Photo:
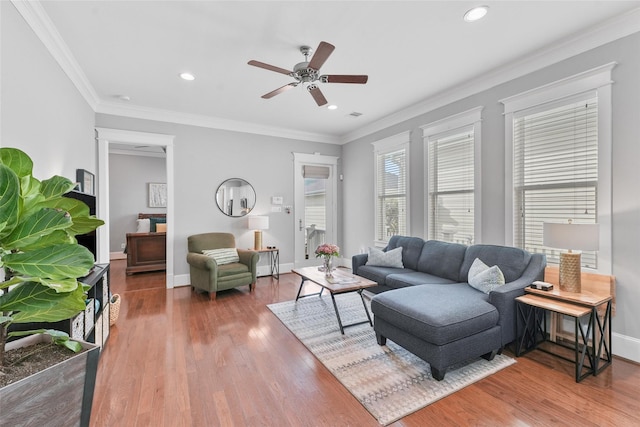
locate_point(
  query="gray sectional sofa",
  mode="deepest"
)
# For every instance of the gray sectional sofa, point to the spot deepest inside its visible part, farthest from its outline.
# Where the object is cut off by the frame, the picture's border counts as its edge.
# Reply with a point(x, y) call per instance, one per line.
point(429, 308)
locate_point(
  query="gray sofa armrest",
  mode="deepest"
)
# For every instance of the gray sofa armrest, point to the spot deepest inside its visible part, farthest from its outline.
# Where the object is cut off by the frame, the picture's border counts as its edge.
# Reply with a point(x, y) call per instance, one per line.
point(504, 297)
point(358, 261)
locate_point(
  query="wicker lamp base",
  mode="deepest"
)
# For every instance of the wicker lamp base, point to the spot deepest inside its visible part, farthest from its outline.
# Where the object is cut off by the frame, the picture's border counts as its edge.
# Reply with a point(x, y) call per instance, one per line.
point(570, 272)
point(257, 241)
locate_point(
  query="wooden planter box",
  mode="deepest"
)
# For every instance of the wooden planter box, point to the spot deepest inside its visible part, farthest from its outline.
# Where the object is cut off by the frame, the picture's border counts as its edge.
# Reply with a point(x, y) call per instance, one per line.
point(60, 395)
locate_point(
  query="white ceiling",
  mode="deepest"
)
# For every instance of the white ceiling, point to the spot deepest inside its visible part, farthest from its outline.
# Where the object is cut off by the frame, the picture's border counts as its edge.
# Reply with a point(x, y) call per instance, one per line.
point(413, 51)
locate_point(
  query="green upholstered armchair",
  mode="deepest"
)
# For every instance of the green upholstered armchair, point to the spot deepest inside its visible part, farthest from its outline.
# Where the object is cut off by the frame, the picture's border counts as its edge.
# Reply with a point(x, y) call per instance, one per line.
point(207, 275)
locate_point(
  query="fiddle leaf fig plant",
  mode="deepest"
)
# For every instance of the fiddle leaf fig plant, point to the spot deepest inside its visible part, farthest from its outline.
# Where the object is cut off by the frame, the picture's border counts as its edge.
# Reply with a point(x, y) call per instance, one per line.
point(41, 257)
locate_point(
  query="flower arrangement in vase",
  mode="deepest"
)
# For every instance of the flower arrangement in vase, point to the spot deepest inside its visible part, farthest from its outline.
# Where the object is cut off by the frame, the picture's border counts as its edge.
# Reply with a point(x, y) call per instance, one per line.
point(327, 252)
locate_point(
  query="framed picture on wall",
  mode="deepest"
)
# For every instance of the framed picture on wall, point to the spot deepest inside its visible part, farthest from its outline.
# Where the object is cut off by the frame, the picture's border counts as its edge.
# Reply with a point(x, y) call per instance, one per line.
point(85, 181)
point(157, 195)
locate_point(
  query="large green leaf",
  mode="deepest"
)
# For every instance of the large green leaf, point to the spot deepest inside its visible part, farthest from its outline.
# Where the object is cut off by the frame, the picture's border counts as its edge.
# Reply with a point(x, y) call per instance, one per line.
point(9, 200)
point(58, 285)
point(55, 187)
point(84, 225)
point(55, 238)
point(33, 302)
point(82, 222)
point(17, 160)
point(31, 195)
point(34, 227)
point(55, 262)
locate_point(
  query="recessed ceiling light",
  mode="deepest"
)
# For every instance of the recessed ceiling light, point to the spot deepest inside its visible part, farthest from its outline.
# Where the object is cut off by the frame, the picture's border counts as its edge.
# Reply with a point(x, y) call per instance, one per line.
point(332, 107)
point(476, 13)
point(187, 76)
point(122, 97)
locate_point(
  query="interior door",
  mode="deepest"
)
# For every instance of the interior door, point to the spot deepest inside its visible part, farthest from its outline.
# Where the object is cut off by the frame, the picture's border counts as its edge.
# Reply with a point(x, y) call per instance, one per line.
point(315, 209)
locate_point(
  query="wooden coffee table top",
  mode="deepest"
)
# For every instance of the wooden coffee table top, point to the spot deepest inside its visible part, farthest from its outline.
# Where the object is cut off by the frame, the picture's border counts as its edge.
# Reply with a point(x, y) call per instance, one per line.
point(350, 282)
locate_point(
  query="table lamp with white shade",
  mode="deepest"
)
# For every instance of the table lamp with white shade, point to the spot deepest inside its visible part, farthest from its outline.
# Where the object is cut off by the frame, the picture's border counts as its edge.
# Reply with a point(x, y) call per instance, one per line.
point(580, 237)
point(258, 223)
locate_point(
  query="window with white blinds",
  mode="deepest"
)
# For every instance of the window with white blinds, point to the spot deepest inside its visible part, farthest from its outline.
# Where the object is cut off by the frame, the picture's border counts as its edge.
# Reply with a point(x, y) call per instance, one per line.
point(451, 187)
point(391, 170)
point(555, 173)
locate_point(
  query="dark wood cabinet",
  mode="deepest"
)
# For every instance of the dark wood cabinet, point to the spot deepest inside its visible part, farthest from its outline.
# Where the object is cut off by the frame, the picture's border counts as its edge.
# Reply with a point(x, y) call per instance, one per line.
point(146, 252)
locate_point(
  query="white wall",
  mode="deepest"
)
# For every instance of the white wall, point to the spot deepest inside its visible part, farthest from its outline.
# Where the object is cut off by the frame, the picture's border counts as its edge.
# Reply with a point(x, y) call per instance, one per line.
point(206, 157)
point(128, 193)
point(358, 221)
point(42, 113)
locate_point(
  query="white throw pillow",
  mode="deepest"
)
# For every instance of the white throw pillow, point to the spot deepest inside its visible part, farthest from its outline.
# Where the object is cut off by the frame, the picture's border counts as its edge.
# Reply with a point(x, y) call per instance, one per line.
point(485, 278)
point(392, 258)
point(144, 225)
point(223, 256)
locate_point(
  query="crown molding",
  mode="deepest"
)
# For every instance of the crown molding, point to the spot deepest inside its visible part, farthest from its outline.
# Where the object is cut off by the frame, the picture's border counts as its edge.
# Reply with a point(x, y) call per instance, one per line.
point(613, 29)
point(36, 17)
point(138, 112)
point(608, 31)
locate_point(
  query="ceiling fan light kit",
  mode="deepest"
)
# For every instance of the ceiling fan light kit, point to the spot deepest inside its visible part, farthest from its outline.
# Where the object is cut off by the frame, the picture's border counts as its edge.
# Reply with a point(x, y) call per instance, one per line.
point(307, 73)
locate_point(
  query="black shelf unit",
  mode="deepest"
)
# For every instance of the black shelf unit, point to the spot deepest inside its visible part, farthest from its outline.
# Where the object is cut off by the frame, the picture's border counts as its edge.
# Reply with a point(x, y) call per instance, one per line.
point(91, 325)
point(95, 319)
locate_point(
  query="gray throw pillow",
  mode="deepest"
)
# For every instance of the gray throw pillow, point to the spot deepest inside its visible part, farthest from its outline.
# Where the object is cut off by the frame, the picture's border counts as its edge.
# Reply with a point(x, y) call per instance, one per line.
point(392, 258)
point(223, 256)
point(485, 278)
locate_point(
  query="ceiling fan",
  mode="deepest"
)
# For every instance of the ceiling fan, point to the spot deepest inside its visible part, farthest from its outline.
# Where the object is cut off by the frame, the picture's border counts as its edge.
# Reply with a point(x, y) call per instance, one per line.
point(307, 73)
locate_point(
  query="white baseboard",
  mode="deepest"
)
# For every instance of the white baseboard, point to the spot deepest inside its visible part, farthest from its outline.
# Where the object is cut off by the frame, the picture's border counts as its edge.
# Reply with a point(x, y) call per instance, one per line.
point(117, 255)
point(625, 346)
point(181, 280)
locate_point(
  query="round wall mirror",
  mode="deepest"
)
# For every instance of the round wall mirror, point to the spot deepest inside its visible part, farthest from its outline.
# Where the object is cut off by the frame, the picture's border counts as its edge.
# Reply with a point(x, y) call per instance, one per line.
point(235, 197)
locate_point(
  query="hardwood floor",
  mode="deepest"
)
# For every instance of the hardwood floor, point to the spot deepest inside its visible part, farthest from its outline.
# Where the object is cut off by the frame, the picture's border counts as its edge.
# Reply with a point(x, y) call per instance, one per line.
point(175, 358)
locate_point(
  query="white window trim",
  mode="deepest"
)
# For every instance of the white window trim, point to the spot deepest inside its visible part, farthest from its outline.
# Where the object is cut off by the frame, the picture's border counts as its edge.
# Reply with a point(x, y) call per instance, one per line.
point(384, 146)
point(599, 80)
point(467, 119)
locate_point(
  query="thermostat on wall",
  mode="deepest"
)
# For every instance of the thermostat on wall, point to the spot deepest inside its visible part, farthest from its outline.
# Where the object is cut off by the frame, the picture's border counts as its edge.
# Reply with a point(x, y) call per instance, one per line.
point(276, 200)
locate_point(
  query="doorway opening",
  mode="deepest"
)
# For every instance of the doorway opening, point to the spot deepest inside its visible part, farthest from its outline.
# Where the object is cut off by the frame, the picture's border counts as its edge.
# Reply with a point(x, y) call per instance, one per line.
point(315, 188)
point(107, 137)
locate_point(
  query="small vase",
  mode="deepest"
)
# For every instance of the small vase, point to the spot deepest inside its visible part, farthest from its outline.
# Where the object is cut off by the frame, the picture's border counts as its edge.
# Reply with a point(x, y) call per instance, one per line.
point(328, 267)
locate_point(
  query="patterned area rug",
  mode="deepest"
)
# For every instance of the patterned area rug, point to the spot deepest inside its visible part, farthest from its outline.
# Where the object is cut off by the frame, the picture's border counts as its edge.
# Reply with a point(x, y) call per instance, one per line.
point(388, 380)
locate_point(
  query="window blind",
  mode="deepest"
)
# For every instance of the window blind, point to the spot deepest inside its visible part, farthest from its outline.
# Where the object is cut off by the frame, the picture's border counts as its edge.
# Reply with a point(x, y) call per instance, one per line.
point(318, 172)
point(451, 188)
point(391, 185)
point(555, 172)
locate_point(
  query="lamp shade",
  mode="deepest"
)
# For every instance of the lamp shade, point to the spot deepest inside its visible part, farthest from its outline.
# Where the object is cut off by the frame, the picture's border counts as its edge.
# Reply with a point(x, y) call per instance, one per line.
point(582, 237)
point(259, 222)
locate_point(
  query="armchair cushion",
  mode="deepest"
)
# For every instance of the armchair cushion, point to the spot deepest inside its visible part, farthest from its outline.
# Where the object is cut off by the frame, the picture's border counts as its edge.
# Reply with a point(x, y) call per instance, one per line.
point(223, 255)
point(232, 269)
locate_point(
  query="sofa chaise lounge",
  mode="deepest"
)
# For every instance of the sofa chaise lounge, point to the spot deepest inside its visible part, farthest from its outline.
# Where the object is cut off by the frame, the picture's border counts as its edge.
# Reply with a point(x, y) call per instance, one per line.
point(429, 308)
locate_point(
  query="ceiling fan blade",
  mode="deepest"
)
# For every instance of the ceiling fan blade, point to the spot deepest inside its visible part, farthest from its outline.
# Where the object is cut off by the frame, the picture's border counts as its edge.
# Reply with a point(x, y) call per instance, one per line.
point(279, 90)
point(269, 67)
point(344, 78)
point(317, 95)
point(321, 54)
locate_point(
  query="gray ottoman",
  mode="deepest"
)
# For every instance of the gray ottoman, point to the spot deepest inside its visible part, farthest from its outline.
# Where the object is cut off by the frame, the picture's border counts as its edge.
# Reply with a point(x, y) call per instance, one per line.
point(442, 324)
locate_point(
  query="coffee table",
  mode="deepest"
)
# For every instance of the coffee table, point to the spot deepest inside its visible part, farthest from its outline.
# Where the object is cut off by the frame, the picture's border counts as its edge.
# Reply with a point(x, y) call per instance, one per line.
point(342, 282)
